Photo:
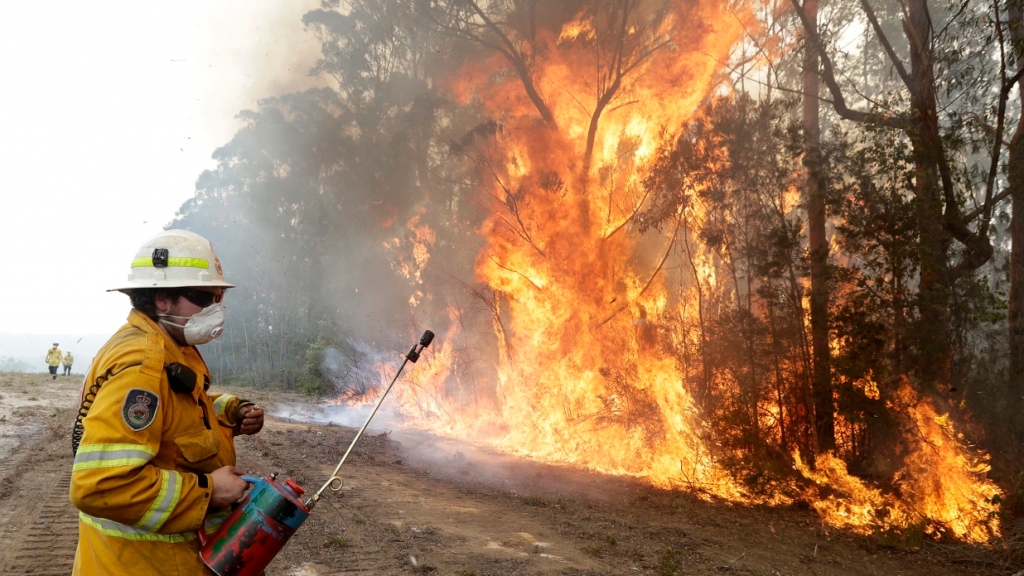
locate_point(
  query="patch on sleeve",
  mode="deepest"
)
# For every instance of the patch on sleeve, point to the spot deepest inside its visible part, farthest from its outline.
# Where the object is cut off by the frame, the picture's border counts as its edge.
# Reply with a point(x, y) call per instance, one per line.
point(139, 408)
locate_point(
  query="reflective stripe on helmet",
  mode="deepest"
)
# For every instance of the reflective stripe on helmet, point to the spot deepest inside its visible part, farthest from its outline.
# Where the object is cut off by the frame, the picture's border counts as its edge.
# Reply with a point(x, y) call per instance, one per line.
point(111, 456)
point(174, 259)
point(166, 500)
point(178, 262)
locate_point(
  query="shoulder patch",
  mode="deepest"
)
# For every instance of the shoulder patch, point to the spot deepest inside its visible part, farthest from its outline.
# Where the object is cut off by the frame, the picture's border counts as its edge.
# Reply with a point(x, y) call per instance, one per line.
point(139, 409)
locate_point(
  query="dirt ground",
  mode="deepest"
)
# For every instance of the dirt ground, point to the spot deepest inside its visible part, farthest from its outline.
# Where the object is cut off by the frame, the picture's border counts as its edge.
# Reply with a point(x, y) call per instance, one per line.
point(414, 504)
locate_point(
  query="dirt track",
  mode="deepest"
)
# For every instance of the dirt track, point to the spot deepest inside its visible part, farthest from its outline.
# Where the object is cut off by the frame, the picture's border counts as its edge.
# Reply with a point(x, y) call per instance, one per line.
point(415, 504)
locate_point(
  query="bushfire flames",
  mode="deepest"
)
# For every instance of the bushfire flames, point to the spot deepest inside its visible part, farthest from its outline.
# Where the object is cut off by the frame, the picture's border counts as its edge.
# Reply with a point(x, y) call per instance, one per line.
point(959, 500)
point(578, 298)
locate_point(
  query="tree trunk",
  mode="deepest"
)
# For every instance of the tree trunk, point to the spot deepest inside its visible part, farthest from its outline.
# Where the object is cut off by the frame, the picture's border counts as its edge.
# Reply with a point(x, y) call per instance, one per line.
point(934, 350)
point(821, 380)
point(1015, 181)
point(779, 378)
point(704, 388)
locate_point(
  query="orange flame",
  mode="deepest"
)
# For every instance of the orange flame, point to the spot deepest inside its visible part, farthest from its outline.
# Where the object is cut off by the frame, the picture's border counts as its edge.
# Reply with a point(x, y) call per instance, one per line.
point(942, 485)
point(580, 381)
point(578, 308)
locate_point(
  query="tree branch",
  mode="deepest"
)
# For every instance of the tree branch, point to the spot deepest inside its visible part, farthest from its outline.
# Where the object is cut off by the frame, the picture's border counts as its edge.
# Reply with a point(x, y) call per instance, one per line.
point(653, 274)
point(828, 75)
point(997, 140)
point(870, 13)
point(519, 63)
point(499, 265)
point(996, 199)
point(630, 217)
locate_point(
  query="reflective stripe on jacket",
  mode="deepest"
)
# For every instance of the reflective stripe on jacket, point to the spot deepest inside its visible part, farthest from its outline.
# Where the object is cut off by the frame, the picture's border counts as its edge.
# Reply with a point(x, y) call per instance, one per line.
point(141, 475)
point(226, 407)
point(53, 356)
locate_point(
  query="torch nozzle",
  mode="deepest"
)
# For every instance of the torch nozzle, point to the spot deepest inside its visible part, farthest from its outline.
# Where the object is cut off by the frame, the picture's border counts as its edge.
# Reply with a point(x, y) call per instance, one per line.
point(427, 338)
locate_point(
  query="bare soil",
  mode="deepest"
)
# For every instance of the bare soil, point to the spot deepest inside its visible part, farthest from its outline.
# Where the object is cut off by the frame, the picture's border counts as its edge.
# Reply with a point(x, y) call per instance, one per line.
point(414, 504)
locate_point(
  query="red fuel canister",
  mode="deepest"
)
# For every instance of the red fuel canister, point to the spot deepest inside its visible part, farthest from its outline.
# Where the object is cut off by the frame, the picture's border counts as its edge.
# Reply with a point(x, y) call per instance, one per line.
point(264, 520)
point(256, 530)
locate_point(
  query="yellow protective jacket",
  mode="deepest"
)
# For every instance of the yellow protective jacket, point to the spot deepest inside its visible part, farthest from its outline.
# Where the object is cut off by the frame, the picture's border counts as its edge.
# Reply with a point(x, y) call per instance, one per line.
point(69, 359)
point(53, 356)
point(141, 477)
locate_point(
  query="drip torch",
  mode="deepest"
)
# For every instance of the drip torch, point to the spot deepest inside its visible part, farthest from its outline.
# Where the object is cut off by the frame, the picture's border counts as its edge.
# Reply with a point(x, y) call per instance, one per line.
point(262, 522)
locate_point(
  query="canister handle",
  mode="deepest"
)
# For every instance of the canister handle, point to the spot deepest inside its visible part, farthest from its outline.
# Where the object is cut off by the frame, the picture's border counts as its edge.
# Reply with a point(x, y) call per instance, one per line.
point(201, 533)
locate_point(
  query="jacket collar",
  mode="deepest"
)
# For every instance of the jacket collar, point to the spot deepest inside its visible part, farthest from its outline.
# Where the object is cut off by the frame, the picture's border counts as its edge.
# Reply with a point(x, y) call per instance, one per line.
point(188, 355)
point(172, 352)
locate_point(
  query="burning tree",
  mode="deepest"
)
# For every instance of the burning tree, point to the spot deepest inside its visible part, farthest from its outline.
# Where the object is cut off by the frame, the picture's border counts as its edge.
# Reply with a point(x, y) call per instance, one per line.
point(609, 239)
point(575, 95)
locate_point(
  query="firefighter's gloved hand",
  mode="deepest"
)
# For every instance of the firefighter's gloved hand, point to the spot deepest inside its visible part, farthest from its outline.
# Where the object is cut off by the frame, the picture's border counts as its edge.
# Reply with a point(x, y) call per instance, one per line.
point(228, 486)
point(251, 417)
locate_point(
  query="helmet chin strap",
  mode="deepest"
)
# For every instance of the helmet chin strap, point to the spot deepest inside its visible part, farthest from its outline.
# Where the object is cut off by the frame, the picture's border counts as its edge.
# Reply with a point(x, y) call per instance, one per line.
point(177, 333)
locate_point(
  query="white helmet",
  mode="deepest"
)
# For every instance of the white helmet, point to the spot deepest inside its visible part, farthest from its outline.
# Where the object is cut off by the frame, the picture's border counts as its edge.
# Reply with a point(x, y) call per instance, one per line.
point(175, 259)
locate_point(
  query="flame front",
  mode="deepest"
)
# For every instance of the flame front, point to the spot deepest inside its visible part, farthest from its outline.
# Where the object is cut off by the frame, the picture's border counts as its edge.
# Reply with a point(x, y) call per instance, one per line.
point(577, 298)
point(959, 500)
point(579, 378)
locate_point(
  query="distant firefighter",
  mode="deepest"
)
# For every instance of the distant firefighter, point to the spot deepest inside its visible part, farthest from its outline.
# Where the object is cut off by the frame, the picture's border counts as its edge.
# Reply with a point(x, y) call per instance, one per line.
point(68, 361)
point(53, 358)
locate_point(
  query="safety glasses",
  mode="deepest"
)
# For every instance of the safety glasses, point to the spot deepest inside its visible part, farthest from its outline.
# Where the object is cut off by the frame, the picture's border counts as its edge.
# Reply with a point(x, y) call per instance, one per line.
point(201, 298)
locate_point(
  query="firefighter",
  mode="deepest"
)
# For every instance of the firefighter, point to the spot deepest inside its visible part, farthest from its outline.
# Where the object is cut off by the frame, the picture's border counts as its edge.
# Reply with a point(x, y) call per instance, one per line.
point(68, 361)
point(154, 451)
point(53, 357)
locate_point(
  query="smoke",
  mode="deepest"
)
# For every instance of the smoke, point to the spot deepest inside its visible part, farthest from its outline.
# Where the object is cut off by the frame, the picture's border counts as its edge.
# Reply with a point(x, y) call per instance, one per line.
point(465, 462)
point(351, 217)
point(240, 53)
point(319, 206)
point(352, 416)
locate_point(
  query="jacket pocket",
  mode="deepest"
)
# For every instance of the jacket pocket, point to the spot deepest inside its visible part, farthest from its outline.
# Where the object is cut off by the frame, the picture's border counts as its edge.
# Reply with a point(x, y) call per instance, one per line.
point(198, 446)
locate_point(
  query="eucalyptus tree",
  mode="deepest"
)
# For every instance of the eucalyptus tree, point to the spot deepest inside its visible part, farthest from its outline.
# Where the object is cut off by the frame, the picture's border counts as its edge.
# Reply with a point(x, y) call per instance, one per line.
point(945, 73)
point(307, 195)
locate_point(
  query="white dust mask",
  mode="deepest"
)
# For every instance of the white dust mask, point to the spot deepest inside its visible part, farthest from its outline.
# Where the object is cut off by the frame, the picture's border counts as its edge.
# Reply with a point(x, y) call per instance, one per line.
point(201, 327)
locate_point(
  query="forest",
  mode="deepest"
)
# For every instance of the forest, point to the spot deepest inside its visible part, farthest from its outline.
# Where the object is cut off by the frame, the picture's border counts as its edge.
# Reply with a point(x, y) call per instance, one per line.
point(766, 251)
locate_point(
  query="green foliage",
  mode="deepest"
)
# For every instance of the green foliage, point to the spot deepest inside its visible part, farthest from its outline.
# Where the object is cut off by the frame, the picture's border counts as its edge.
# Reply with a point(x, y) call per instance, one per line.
point(594, 550)
point(309, 202)
point(314, 382)
point(337, 542)
point(8, 364)
point(534, 500)
point(668, 563)
point(728, 172)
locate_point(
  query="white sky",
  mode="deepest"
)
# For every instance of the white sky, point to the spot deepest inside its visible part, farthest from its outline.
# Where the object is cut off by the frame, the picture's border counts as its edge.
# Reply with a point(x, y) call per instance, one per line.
point(109, 111)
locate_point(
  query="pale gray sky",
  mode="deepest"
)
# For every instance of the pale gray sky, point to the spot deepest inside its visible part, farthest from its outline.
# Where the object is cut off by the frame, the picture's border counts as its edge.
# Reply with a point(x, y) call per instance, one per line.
point(109, 111)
